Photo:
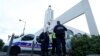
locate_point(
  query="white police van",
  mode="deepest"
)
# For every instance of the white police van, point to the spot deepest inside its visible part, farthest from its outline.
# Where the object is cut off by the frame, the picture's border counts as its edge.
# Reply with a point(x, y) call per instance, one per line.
point(25, 43)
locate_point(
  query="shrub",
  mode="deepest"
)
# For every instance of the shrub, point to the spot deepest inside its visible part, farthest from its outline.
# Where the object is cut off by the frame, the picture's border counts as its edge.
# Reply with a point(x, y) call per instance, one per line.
point(84, 45)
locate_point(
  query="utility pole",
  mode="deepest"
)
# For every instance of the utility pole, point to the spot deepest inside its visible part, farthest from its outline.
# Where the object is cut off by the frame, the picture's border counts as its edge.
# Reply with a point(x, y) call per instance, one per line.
point(24, 26)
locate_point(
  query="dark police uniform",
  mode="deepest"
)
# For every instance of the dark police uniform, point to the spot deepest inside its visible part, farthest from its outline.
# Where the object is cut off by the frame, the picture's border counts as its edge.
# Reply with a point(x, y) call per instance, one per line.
point(60, 38)
point(44, 43)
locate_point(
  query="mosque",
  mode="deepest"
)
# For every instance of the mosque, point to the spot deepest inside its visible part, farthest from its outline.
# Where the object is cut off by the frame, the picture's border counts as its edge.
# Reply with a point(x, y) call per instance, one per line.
point(83, 7)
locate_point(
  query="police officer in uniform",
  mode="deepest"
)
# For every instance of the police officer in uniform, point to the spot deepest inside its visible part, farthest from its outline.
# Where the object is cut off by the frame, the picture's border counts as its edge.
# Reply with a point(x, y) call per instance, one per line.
point(44, 38)
point(53, 43)
point(59, 31)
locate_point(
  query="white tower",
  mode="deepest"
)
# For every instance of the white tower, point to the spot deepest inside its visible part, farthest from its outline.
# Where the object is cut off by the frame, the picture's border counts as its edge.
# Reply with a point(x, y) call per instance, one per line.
point(48, 18)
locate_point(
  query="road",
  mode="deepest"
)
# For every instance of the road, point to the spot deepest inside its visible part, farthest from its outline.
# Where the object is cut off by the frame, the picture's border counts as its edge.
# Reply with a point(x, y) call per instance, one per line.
point(22, 54)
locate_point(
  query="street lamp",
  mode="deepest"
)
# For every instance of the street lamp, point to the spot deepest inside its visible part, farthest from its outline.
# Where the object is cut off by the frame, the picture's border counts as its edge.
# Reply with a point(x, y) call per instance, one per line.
point(24, 25)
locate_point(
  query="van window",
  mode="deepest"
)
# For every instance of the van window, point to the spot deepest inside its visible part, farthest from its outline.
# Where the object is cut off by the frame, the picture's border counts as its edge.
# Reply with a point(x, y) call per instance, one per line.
point(27, 38)
point(70, 34)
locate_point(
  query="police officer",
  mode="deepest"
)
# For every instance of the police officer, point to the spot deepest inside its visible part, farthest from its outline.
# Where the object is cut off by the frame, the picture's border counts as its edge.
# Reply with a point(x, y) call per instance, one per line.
point(44, 43)
point(53, 43)
point(60, 38)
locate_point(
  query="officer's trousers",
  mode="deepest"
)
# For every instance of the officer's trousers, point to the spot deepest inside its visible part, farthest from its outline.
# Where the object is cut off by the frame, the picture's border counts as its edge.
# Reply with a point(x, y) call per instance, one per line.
point(60, 46)
point(44, 49)
point(53, 46)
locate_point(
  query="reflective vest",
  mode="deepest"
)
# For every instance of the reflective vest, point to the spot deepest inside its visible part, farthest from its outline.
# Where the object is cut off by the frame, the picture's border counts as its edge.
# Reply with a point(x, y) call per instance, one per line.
point(53, 35)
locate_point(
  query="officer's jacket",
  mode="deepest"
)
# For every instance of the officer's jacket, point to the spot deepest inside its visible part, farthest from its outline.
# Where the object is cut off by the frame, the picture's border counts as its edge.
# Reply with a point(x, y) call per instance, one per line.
point(44, 37)
point(59, 29)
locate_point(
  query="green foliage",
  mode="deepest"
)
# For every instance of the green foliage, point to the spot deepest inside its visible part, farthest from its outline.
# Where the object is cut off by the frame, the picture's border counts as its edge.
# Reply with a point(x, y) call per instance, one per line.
point(84, 45)
point(1, 44)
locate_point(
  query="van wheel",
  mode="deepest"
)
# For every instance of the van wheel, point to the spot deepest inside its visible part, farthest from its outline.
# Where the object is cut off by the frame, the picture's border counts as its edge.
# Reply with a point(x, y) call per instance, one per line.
point(15, 50)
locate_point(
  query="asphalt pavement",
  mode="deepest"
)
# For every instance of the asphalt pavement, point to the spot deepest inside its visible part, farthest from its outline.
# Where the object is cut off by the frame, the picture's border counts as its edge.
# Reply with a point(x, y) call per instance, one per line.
point(22, 54)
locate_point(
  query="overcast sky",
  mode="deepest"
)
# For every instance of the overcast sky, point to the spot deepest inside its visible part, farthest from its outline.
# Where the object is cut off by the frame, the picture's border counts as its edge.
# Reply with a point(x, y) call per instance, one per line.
point(33, 12)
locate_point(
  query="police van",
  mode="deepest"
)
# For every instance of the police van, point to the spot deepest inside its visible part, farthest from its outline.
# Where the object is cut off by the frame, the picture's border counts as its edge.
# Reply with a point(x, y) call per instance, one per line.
point(25, 43)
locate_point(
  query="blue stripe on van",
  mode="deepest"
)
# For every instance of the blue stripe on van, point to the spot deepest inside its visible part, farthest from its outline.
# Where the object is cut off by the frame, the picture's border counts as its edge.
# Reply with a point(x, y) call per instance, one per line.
point(29, 45)
point(23, 44)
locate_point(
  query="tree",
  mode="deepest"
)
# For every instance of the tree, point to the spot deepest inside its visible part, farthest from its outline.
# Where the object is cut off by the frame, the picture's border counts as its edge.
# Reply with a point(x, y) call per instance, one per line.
point(1, 44)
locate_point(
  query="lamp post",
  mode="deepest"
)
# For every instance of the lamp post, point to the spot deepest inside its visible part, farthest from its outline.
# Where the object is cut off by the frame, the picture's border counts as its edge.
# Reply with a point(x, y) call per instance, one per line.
point(24, 25)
